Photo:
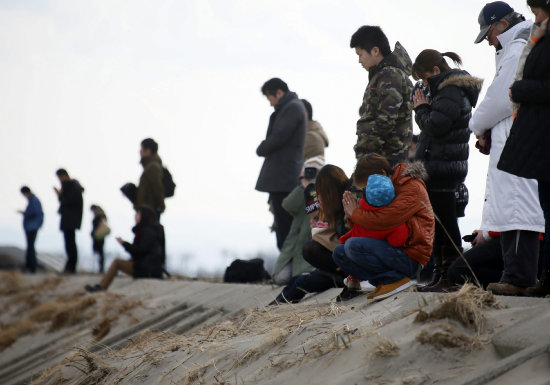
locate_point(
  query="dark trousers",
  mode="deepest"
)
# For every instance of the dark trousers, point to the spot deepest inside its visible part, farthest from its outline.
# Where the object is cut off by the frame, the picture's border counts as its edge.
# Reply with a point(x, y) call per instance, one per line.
point(544, 198)
point(485, 261)
point(520, 252)
point(30, 256)
point(98, 248)
point(320, 257)
point(283, 219)
point(301, 284)
point(444, 206)
point(70, 248)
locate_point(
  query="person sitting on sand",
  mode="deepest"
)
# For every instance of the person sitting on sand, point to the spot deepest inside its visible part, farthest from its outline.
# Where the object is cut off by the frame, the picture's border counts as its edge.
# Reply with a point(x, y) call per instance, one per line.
point(378, 193)
point(388, 268)
point(147, 251)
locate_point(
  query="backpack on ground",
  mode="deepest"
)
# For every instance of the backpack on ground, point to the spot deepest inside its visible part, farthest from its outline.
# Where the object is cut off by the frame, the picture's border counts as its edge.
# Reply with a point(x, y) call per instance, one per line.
point(241, 271)
point(168, 183)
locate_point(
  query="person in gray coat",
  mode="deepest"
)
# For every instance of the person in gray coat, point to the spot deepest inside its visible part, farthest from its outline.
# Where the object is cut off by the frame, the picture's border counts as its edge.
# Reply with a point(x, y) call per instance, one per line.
point(283, 150)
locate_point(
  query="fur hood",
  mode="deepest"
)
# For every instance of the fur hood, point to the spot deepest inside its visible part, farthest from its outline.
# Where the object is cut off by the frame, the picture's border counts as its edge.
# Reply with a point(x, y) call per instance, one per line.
point(458, 78)
point(413, 170)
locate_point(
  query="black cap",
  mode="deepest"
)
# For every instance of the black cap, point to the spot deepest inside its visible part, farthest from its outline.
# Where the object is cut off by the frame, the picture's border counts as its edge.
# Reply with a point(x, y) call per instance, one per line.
point(490, 14)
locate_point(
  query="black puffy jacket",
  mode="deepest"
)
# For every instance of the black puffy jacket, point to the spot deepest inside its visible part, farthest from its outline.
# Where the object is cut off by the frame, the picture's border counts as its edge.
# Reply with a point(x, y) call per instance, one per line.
point(147, 250)
point(443, 142)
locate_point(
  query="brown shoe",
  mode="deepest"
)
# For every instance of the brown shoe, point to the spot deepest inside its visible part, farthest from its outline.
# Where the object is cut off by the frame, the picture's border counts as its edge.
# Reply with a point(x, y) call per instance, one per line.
point(504, 288)
point(385, 291)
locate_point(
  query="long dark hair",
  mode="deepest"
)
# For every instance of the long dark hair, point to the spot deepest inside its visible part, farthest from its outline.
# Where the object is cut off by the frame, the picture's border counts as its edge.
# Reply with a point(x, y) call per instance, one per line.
point(543, 4)
point(330, 184)
point(430, 58)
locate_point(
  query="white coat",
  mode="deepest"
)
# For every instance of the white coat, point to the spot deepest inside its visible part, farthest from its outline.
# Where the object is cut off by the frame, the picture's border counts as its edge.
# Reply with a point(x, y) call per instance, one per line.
point(511, 202)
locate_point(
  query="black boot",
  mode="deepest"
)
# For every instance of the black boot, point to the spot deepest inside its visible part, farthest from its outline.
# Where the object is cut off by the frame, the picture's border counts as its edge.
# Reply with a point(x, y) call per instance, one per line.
point(436, 275)
point(543, 286)
point(449, 254)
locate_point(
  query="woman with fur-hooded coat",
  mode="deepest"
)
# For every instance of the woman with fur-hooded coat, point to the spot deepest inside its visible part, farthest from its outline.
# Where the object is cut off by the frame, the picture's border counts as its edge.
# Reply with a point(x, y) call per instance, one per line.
point(443, 146)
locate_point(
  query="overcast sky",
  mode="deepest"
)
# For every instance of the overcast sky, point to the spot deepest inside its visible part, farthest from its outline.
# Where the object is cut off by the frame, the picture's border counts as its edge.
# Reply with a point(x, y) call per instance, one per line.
point(83, 82)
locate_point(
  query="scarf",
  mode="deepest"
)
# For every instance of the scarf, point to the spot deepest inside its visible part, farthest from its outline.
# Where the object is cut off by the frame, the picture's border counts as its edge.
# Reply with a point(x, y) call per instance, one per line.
point(537, 32)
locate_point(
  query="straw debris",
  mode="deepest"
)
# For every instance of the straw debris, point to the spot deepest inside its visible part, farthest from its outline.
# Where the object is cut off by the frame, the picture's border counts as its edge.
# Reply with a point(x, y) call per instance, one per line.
point(465, 306)
point(446, 337)
point(11, 332)
point(385, 348)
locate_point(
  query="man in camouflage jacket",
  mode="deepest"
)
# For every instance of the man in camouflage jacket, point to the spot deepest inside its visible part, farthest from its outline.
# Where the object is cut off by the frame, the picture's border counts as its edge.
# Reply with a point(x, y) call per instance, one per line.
point(385, 125)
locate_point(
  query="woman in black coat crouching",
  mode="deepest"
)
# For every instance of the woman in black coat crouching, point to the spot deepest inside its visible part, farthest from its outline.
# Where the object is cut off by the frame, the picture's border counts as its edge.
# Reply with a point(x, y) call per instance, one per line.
point(147, 251)
point(442, 116)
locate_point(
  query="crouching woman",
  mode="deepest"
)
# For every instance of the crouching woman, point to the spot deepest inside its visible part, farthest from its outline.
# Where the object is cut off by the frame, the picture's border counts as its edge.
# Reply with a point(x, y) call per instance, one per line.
point(390, 269)
point(147, 251)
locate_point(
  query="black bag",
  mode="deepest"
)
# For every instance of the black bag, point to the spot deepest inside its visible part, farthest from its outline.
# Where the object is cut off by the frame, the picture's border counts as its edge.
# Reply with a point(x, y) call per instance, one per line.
point(168, 183)
point(130, 191)
point(241, 271)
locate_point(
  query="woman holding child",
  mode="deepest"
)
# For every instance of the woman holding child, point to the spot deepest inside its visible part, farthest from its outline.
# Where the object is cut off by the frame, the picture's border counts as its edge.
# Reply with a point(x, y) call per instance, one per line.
point(443, 147)
point(388, 268)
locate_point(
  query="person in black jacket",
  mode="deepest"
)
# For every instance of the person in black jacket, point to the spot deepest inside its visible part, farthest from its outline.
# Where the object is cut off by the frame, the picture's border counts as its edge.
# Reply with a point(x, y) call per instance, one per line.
point(70, 209)
point(525, 153)
point(443, 147)
point(282, 150)
point(147, 251)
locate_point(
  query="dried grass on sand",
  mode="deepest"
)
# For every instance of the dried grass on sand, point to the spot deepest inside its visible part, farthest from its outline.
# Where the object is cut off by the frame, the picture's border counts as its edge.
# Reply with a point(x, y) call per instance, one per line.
point(465, 306)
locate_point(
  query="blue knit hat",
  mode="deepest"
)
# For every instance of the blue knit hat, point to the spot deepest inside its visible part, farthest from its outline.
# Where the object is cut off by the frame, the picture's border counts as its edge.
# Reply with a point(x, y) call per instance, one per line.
point(379, 190)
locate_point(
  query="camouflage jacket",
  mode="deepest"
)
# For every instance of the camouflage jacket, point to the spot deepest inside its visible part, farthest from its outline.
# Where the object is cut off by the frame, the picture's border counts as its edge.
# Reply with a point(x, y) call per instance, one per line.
point(385, 125)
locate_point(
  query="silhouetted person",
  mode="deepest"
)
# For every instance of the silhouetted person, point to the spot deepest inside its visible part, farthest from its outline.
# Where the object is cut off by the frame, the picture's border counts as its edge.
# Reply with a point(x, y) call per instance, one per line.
point(33, 217)
point(70, 209)
point(150, 191)
point(100, 230)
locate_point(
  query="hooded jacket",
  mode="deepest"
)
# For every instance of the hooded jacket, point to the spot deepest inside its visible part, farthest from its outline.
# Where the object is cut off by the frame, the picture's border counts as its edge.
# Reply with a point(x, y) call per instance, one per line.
point(70, 205)
point(526, 153)
point(283, 147)
point(298, 235)
point(443, 141)
point(316, 140)
point(150, 191)
point(385, 125)
point(147, 250)
point(511, 203)
point(410, 206)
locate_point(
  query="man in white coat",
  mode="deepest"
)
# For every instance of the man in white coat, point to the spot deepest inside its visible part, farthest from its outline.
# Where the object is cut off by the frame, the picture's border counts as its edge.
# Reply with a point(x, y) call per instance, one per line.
point(511, 203)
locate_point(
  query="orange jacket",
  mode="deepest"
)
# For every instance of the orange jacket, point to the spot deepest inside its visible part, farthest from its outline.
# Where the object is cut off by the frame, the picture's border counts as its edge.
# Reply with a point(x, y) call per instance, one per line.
point(411, 206)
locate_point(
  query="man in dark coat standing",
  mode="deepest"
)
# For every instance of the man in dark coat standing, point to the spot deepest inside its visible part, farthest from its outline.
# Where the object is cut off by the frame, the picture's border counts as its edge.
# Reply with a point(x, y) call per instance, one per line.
point(70, 209)
point(283, 150)
point(150, 191)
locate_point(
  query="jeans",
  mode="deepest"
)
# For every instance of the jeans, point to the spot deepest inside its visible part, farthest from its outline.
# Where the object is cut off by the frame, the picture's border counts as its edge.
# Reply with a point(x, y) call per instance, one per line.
point(70, 248)
point(30, 257)
point(374, 260)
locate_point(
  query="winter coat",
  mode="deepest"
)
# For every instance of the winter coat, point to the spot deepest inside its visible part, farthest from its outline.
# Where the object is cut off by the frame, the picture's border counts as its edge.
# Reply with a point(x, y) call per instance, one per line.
point(147, 250)
point(150, 191)
point(316, 140)
point(70, 205)
point(33, 217)
point(385, 125)
point(443, 142)
point(97, 244)
point(396, 237)
point(283, 147)
point(526, 152)
point(410, 206)
point(511, 203)
point(298, 235)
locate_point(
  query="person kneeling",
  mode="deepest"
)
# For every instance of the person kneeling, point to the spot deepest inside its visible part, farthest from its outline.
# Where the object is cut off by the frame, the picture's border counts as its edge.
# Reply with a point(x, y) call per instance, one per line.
point(147, 251)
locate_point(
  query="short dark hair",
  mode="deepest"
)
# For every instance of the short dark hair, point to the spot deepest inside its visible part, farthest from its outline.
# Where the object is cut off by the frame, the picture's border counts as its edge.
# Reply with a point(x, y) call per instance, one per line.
point(25, 190)
point(150, 144)
point(367, 37)
point(272, 85)
point(61, 172)
point(309, 109)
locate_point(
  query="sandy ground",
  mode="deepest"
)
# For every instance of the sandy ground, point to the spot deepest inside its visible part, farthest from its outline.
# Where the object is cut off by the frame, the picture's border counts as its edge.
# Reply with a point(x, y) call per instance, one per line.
point(196, 332)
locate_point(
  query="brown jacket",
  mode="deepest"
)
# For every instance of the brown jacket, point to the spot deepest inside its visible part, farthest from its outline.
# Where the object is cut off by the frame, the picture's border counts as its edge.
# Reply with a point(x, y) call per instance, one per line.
point(316, 140)
point(411, 206)
point(151, 190)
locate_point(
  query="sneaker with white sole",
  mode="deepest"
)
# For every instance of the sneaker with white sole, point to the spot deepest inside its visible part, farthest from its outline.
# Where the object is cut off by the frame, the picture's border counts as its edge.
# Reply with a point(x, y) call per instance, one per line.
point(385, 291)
